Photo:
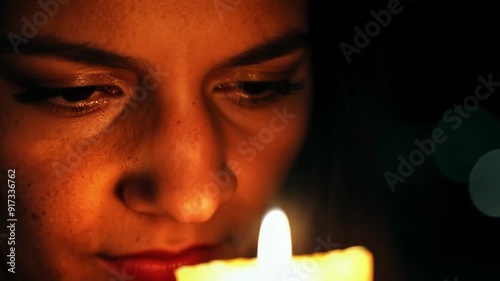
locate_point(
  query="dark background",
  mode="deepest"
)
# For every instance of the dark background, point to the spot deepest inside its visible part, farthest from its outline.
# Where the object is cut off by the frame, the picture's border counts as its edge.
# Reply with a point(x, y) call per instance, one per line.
point(426, 60)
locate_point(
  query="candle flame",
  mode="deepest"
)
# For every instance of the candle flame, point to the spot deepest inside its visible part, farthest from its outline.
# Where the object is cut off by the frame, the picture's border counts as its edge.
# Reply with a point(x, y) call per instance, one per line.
point(275, 242)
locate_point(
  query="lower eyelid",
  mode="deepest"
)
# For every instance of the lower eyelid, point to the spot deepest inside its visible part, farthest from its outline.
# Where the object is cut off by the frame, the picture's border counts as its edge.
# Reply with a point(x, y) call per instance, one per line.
point(53, 102)
point(77, 109)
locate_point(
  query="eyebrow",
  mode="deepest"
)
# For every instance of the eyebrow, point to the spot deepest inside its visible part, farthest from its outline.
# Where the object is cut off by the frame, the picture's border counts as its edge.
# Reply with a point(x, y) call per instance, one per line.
point(275, 47)
point(50, 46)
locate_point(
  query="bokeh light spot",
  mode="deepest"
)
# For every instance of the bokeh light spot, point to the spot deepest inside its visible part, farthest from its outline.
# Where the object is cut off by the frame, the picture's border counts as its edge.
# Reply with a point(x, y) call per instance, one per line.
point(484, 184)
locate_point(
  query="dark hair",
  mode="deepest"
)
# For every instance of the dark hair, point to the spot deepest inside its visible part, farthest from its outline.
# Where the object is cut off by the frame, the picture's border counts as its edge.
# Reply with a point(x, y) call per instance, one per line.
point(335, 174)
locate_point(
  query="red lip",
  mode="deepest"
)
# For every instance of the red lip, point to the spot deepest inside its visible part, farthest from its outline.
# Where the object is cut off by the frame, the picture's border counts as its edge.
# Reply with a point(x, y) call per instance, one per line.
point(156, 265)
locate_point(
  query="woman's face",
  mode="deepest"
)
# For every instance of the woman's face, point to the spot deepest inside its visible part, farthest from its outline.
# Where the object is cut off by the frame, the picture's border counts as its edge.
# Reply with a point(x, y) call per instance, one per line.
point(146, 134)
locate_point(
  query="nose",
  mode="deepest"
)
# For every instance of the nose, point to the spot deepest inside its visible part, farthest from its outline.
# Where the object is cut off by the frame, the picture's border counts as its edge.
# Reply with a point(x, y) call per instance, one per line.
point(185, 175)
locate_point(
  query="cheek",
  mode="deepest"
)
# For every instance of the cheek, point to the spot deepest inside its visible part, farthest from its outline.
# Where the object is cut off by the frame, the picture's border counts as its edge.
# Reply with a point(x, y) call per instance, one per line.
point(57, 216)
point(48, 205)
point(263, 157)
point(58, 190)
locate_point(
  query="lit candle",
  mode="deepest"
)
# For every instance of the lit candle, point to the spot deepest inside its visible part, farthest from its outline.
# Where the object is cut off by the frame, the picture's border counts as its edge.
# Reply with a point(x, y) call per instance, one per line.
point(275, 262)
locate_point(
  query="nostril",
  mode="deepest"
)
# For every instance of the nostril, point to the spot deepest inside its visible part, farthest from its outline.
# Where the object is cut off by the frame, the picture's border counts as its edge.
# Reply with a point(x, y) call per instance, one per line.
point(136, 191)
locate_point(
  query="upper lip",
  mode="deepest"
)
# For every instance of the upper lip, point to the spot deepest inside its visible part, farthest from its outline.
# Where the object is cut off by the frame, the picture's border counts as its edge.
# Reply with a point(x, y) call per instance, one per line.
point(162, 254)
point(153, 265)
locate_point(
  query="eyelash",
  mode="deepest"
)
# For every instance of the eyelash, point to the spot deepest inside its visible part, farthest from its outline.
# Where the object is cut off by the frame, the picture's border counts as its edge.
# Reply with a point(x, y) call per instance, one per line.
point(74, 99)
point(75, 104)
point(255, 93)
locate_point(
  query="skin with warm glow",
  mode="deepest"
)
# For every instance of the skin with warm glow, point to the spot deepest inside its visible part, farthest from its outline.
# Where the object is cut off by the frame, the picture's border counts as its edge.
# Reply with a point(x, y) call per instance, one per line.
point(101, 172)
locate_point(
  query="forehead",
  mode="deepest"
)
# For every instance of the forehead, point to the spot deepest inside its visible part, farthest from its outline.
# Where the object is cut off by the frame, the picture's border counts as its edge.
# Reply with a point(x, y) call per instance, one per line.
point(161, 19)
point(187, 32)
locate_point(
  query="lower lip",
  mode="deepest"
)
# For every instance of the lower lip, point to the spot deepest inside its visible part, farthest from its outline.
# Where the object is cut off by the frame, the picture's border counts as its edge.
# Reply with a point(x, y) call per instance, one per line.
point(149, 267)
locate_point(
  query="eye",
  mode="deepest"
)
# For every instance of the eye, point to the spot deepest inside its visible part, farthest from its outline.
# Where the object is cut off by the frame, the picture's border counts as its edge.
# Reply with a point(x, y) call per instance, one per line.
point(252, 93)
point(71, 101)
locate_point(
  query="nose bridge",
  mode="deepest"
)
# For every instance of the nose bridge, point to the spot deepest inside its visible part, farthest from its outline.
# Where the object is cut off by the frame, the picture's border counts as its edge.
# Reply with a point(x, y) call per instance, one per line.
point(187, 158)
point(188, 136)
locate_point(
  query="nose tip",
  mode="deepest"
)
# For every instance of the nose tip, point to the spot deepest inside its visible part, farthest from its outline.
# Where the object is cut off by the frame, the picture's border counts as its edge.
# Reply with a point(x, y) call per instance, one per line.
point(197, 208)
point(202, 202)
